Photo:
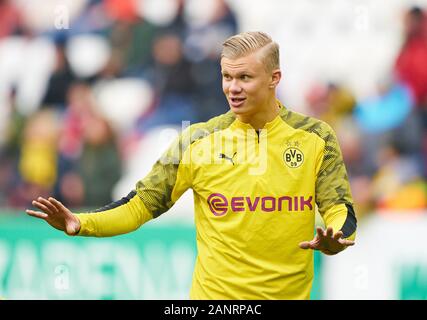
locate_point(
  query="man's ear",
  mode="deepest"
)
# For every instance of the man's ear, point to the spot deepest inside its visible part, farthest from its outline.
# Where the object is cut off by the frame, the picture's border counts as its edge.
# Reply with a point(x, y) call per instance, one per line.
point(275, 78)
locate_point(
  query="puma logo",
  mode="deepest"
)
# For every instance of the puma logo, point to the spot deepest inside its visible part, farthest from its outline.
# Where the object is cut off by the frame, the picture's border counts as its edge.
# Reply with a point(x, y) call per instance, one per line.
point(223, 156)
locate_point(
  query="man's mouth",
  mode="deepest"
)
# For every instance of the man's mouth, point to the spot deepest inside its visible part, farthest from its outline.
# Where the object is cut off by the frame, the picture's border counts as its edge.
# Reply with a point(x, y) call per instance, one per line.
point(237, 101)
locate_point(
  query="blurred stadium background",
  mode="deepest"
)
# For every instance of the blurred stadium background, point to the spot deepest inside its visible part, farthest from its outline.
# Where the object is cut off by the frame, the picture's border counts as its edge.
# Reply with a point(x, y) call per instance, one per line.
point(92, 91)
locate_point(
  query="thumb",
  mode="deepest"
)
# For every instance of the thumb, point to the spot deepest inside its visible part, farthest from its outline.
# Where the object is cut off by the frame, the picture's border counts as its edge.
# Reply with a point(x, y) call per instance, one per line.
point(72, 227)
point(304, 245)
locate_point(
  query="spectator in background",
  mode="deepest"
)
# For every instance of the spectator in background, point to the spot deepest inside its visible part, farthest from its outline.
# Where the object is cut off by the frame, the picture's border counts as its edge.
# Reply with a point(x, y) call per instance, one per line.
point(134, 39)
point(330, 102)
point(80, 104)
point(411, 63)
point(11, 21)
point(411, 69)
point(184, 66)
point(385, 117)
point(173, 83)
point(70, 188)
point(38, 158)
point(12, 128)
point(99, 165)
point(398, 184)
point(87, 181)
point(121, 10)
point(61, 78)
point(95, 18)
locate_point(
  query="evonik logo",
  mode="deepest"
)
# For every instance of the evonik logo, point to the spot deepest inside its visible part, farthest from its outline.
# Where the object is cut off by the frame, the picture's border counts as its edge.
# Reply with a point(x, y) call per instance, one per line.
point(220, 205)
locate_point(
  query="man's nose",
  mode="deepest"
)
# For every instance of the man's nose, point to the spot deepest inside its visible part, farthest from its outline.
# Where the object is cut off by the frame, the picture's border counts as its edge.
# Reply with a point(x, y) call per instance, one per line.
point(235, 87)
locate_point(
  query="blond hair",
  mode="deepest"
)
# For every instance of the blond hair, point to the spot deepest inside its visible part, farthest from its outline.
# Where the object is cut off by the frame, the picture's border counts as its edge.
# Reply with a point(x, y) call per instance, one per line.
point(246, 43)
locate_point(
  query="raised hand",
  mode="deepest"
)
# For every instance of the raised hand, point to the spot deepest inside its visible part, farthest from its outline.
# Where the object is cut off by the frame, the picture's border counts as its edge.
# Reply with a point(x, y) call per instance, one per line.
point(327, 242)
point(56, 214)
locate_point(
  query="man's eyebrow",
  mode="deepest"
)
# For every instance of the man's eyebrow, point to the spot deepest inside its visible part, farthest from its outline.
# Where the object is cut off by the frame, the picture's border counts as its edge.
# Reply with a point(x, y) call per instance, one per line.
point(238, 73)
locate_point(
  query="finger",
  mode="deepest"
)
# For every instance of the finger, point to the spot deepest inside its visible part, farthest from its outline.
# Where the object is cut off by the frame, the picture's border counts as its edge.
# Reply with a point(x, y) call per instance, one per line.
point(41, 206)
point(58, 205)
point(338, 235)
point(308, 245)
point(47, 204)
point(320, 232)
point(36, 214)
point(346, 242)
point(304, 245)
point(329, 232)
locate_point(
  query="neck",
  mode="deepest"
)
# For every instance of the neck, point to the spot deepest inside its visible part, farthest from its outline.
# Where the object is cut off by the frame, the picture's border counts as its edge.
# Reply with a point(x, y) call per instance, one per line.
point(258, 119)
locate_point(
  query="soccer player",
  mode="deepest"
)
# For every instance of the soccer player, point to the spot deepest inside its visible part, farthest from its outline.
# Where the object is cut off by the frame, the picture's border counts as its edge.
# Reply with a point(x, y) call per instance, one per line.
point(257, 173)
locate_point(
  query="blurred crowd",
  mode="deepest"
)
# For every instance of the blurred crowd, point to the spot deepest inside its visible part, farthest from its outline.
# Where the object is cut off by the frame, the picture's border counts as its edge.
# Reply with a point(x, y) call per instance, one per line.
point(80, 91)
point(384, 137)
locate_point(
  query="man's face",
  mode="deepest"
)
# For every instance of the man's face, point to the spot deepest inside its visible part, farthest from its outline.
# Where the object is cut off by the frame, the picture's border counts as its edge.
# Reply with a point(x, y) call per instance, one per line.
point(246, 83)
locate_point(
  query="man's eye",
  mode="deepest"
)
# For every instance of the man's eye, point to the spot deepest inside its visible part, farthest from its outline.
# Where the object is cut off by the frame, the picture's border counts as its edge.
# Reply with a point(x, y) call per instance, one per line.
point(226, 76)
point(245, 77)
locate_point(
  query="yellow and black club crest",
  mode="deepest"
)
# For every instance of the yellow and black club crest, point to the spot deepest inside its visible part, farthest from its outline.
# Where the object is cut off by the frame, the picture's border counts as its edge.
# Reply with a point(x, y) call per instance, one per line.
point(293, 157)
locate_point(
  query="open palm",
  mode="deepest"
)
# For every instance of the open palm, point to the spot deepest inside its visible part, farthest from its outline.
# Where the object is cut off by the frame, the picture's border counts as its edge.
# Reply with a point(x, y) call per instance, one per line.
point(327, 242)
point(56, 214)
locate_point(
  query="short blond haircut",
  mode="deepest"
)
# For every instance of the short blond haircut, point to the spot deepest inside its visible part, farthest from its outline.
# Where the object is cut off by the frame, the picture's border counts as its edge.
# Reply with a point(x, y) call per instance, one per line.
point(245, 43)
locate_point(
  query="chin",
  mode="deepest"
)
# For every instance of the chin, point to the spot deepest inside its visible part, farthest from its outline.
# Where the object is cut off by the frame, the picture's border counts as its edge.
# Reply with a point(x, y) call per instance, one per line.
point(239, 110)
point(236, 110)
